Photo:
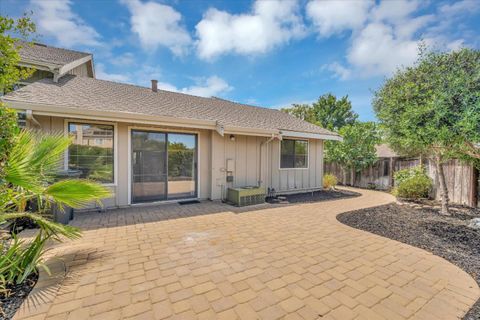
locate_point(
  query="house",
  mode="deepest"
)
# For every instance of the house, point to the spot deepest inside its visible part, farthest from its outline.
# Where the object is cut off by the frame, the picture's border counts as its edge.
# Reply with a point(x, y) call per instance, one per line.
point(152, 145)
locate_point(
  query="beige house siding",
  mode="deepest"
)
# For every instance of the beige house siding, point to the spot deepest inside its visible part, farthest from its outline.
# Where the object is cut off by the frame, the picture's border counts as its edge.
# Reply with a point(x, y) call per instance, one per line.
point(291, 180)
point(255, 161)
point(245, 152)
point(82, 70)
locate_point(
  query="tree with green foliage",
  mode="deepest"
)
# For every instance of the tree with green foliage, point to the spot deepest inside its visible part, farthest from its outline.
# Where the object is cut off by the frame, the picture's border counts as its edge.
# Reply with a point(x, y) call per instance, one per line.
point(327, 112)
point(433, 109)
point(357, 150)
point(11, 31)
point(10, 74)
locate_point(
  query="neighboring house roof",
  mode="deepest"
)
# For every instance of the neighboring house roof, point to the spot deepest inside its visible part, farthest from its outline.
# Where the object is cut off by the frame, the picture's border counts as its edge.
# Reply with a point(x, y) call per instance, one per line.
point(384, 151)
point(87, 96)
point(50, 58)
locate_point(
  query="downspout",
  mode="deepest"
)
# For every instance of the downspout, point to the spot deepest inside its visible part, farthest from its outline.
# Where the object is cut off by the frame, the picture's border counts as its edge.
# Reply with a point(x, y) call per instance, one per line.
point(264, 143)
point(31, 118)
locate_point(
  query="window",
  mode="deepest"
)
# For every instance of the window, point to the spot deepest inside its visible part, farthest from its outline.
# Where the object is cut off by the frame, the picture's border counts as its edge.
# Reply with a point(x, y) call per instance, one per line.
point(386, 168)
point(91, 152)
point(22, 120)
point(294, 154)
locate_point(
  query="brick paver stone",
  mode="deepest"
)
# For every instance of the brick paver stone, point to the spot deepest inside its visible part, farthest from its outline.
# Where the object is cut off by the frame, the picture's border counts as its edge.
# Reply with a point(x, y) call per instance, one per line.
point(214, 261)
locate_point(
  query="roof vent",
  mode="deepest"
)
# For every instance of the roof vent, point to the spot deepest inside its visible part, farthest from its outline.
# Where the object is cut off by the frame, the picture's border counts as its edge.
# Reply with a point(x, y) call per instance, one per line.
point(154, 85)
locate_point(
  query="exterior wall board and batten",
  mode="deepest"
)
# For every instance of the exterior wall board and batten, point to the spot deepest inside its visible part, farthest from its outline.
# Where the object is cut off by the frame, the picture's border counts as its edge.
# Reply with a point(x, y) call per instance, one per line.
point(255, 160)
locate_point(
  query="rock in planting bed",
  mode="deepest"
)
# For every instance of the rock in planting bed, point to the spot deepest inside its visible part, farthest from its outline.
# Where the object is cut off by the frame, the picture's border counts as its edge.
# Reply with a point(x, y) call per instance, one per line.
point(421, 226)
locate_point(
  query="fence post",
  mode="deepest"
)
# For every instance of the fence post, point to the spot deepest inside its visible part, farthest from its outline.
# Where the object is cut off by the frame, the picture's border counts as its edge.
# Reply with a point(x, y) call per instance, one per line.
point(390, 172)
point(474, 189)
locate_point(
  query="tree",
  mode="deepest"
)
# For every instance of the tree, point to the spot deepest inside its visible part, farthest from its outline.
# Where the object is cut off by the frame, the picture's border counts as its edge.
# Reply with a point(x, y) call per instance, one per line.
point(328, 112)
point(10, 74)
point(433, 108)
point(11, 31)
point(357, 150)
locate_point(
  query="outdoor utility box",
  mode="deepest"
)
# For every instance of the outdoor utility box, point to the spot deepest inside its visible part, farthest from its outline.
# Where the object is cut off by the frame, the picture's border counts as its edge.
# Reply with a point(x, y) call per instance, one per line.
point(246, 196)
point(230, 165)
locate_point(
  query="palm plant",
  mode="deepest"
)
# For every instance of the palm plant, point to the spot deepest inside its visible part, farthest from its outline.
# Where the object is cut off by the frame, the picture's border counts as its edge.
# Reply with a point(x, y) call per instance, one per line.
point(29, 177)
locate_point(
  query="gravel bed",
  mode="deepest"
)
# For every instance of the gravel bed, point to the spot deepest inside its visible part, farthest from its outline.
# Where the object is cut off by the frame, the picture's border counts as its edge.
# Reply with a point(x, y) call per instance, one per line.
point(316, 196)
point(10, 303)
point(446, 236)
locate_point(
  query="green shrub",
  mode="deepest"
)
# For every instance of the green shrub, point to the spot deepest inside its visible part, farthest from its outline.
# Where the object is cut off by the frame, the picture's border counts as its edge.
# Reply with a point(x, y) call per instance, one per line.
point(19, 260)
point(329, 181)
point(405, 174)
point(412, 183)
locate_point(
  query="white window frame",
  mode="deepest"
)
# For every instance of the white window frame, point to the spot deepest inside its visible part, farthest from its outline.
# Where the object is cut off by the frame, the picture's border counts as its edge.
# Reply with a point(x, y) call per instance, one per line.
point(115, 145)
point(280, 154)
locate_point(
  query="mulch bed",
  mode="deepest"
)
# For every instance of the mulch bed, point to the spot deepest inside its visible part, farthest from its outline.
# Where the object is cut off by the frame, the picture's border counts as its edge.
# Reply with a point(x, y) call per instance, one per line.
point(9, 303)
point(423, 226)
point(316, 196)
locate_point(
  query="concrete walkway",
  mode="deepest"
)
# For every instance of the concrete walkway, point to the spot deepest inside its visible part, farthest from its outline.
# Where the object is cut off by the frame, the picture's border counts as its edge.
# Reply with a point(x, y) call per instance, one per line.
point(212, 261)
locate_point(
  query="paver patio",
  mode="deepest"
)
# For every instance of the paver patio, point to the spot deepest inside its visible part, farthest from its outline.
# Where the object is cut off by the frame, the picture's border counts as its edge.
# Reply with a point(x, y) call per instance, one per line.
point(213, 261)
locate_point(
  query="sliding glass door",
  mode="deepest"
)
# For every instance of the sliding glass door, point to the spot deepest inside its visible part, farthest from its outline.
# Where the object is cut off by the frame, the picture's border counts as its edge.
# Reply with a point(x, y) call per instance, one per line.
point(149, 166)
point(182, 154)
point(163, 166)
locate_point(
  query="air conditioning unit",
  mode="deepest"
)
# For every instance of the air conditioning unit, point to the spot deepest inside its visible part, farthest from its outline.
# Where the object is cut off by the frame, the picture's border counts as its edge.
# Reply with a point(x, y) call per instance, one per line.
point(246, 196)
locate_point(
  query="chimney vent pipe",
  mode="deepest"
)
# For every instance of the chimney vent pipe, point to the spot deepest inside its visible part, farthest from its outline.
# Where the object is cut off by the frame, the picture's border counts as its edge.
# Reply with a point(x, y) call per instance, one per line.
point(154, 85)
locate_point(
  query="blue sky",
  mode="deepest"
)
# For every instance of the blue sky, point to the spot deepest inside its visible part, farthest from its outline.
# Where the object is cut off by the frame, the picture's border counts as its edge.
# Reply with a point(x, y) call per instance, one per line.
point(268, 53)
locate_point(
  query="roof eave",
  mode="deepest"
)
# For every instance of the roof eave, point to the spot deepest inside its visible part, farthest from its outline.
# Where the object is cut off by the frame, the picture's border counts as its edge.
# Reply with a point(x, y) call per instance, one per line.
point(40, 65)
point(74, 112)
point(115, 116)
point(308, 135)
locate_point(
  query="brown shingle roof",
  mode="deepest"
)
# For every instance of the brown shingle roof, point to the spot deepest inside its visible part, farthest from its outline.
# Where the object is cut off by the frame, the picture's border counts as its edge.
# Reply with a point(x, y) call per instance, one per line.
point(100, 95)
point(41, 53)
point(384, 151)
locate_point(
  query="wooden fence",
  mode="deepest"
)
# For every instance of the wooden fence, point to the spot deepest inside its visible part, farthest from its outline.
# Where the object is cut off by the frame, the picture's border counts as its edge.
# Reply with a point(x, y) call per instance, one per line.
point(462, 179)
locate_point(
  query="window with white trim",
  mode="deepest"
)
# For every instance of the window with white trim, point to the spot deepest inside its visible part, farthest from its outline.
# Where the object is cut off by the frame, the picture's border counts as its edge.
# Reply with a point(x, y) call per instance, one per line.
point(293, 154)
point(91, 151)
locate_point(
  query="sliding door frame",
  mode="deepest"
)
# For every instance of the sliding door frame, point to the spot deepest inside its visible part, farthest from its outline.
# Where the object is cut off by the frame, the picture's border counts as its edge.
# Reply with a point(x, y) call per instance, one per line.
point(167, 131)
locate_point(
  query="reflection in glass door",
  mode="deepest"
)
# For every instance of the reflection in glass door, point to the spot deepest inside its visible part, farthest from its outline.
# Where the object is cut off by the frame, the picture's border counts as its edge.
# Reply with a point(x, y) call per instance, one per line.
point(164, 166)
point(181, 165)
point(149, 166)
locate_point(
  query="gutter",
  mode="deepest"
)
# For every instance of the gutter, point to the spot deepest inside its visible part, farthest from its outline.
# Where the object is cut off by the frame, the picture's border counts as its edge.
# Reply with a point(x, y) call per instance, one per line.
point(306, 135)
point(31, 118)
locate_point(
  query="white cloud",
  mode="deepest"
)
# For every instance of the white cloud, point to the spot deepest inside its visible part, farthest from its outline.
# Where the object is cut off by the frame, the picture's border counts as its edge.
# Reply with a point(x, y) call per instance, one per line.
point(158, 25)
point(385, 35)
point(102, 74)
point(270, 24)
point(55, 18)
point(394, 11)
point(205, 87)
point(377, 51)
point(124, 59)
point(460, 7)
point(333, 16)
point(340, 71)
point(456, 44)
